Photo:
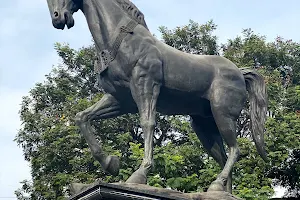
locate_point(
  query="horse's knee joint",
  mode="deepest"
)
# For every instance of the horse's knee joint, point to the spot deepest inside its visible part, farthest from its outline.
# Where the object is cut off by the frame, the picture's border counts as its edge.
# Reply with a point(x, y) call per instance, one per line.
point(147, 124)
point(79, 118)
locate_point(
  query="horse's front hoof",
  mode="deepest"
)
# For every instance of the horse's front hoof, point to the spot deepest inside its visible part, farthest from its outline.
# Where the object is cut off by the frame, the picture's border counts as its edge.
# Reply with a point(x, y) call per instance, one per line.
point(217, 185)
point(138, 177)
point(112, 165)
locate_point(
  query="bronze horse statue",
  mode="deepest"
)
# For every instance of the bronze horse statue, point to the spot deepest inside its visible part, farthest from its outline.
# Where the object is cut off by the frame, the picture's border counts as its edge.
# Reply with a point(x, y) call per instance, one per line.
point(141, 74)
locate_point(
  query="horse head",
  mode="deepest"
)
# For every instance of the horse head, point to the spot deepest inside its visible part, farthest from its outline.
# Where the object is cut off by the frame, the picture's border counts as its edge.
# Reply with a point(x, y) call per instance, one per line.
point(61, 12)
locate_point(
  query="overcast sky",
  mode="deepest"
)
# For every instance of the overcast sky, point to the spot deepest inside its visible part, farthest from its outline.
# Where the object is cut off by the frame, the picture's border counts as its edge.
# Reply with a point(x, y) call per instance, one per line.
point(27, 38)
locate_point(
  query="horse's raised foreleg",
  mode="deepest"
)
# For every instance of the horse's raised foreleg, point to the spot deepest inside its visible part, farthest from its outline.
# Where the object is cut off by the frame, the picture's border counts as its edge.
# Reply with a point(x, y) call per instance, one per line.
point(107, 107)
point(145, 88)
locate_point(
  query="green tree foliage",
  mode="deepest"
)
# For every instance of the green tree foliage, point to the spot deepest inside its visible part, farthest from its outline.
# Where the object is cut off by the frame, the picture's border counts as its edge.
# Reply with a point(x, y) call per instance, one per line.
point(59, 155)
point(192, 38)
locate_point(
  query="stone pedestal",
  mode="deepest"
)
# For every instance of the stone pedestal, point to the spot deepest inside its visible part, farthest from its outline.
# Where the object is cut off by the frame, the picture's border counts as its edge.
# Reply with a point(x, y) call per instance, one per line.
point(99, 191)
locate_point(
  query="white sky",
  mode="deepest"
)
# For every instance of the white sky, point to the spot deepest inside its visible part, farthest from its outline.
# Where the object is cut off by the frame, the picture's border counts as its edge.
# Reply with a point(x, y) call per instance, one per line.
point(27, 38)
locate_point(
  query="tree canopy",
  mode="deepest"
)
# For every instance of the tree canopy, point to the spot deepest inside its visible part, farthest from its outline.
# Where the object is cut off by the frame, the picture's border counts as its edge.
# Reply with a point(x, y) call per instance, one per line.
point(58, 154)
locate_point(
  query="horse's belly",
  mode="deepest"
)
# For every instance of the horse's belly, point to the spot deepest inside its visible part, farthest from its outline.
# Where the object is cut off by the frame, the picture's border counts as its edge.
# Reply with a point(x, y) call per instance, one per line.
point(173, 102)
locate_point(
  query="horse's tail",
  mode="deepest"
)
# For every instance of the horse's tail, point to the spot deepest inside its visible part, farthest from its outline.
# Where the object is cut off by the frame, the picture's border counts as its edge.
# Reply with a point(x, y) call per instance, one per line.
point(258, 107)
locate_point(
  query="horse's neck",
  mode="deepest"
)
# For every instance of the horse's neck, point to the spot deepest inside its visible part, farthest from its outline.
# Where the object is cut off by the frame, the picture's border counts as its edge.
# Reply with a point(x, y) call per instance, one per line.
point(103, 18)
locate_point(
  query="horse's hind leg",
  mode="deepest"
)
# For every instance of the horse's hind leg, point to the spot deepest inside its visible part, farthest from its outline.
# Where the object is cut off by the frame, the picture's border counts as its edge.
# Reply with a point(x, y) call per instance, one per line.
point(107, 107)
point(226, 105)
point(209, 135)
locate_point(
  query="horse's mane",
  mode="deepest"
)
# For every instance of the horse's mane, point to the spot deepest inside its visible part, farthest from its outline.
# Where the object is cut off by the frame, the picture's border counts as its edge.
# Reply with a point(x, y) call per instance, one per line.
point(132, 11)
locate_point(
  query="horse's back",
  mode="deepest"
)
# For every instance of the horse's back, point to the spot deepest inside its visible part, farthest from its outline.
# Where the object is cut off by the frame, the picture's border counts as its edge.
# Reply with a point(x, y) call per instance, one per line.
point(188, 73)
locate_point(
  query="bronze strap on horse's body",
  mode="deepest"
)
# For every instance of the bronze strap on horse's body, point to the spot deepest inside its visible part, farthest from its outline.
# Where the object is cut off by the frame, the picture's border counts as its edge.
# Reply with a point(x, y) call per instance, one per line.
point(108, 55)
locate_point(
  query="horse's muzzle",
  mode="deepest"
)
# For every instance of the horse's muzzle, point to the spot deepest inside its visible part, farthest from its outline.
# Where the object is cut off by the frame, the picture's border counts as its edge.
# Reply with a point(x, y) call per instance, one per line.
point(60, 19)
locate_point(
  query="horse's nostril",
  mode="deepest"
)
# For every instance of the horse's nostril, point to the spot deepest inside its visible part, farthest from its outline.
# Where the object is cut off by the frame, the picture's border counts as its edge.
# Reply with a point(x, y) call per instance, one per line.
point(55, 14)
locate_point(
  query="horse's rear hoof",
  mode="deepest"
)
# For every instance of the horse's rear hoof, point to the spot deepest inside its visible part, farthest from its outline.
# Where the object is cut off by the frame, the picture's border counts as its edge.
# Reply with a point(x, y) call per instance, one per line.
point(217, 185)
point(112, 165)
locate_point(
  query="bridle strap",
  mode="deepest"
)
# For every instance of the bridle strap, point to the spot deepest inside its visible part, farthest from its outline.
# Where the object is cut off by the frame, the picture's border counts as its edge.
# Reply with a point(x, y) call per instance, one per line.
point(108, 55)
